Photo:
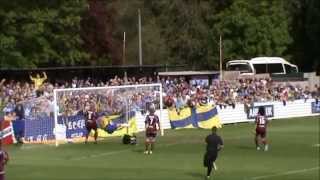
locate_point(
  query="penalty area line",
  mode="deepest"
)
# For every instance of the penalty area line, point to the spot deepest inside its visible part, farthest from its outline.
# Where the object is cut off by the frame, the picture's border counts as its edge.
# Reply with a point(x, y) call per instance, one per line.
point(285, 173)
point(111, 153)
point(101, 154)
point(108, 153)
point(127, 150)
point(36, 146)
point(316, 145)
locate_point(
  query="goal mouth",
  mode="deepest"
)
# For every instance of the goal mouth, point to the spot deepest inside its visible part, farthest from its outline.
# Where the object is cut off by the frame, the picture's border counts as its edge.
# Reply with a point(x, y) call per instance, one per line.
point(120, 104)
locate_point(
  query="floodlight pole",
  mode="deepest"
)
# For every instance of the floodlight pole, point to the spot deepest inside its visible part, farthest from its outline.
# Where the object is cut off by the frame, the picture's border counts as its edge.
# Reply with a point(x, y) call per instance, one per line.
point(140, 38)
point(220, 50)
point(124, 55)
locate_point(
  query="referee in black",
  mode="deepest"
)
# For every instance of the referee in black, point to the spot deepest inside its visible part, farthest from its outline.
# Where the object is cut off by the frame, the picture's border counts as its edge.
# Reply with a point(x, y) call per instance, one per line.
point(214, 145)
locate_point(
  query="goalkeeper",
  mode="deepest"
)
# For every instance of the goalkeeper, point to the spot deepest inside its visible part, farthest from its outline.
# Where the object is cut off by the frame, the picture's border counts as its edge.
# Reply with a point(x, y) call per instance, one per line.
point(112, 126)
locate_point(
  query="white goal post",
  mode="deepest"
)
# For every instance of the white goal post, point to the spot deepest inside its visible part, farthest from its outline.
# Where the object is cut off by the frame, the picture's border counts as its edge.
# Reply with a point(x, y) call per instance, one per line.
point(110, 98)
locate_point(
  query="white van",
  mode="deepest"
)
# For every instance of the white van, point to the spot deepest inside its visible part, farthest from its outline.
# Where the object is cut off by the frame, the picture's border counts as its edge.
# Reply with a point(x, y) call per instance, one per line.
point(262, 65)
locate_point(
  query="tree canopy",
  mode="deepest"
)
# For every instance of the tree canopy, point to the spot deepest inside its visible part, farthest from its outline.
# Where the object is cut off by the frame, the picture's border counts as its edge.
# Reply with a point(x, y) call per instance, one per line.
point(37, 33)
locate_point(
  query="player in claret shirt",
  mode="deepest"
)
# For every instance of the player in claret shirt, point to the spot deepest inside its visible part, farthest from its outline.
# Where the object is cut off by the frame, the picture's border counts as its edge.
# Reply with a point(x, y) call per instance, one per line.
point(91, 122)
point(261, 129)
point(4, 158)
point(152, 125)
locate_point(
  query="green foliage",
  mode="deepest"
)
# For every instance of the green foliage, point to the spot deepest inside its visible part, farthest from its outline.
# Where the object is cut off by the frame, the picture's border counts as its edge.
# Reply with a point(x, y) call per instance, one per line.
point(185, 32)
point(35, 33)
point(313, 33)
point(253, 28)
point(154, 47)
point(305, 31)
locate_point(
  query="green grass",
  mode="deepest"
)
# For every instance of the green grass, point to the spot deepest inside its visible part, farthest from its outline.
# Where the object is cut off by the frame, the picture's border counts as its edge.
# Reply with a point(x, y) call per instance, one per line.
point(178, 155)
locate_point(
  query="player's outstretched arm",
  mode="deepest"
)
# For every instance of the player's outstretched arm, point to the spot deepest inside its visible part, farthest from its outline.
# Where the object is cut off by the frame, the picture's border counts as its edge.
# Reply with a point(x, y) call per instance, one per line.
point(220, 146)
point(146, 123)
point(159, 127)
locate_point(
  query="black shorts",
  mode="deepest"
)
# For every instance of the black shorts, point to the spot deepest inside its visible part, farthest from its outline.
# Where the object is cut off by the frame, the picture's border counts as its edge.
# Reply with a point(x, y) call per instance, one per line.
point(209, 159)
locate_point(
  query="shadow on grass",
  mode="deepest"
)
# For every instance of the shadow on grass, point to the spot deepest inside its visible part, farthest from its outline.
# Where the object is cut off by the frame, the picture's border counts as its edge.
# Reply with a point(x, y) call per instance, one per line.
point(138, 150)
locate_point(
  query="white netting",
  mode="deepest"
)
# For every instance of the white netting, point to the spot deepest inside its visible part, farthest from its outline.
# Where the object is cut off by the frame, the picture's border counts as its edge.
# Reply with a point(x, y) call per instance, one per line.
point(38, 120)
point(114, 100)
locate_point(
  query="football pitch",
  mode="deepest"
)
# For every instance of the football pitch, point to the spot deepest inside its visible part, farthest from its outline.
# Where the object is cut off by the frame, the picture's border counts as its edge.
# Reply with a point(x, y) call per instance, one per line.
point(293, 155)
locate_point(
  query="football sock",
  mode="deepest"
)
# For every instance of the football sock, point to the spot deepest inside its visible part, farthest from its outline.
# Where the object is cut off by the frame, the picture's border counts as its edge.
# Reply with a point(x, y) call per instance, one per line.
point(209, 170)
point(264, 141)
point(147, 145)
point(96, 135)
point(215, 167)
point(256, 141)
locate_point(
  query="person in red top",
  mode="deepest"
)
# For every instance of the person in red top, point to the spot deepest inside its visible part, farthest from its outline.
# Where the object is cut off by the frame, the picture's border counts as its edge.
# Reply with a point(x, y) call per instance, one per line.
point(261, 129)
point(152, 125)
point(91, 123)
point(4, 158)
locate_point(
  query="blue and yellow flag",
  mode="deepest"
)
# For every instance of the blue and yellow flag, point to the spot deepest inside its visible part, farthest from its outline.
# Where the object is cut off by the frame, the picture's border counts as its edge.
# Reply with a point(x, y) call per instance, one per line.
point(202, 116)
point(182, 119)
point(207, 117)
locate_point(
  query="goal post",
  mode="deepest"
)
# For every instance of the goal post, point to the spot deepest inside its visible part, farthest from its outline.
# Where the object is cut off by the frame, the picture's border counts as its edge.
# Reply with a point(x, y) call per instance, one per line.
point(110, 100)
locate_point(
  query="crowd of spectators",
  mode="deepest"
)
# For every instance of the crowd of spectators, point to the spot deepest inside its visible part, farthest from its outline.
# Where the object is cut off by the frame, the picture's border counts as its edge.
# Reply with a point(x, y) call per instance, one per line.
point(36, 96)
point(180, 93)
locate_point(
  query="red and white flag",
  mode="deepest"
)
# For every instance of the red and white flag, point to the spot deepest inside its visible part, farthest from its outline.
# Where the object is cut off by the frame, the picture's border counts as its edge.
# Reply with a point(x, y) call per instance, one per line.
point(6, 132)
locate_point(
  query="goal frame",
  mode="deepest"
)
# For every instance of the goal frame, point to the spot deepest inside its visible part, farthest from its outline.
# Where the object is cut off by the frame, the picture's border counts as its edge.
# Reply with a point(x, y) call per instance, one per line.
point(55, 92)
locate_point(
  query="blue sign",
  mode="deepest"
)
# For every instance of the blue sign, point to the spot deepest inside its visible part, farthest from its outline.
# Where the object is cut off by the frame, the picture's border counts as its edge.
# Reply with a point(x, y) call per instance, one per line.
point(39, 129)
point(315, 107)
point(253, 111)
point(76, 126)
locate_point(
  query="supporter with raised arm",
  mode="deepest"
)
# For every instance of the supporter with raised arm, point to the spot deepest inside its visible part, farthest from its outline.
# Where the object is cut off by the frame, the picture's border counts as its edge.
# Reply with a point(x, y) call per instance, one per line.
point(38, 81)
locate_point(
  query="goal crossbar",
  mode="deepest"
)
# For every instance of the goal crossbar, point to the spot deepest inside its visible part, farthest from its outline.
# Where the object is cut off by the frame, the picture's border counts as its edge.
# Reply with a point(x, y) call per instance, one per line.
point(109, 87)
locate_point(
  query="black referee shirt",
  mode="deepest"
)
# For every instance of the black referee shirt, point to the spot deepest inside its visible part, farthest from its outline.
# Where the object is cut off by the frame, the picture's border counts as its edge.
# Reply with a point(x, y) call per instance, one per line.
point(213, 141)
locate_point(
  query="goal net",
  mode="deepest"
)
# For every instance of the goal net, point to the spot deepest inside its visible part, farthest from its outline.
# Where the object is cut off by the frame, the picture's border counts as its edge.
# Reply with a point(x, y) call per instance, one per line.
point(123, 106)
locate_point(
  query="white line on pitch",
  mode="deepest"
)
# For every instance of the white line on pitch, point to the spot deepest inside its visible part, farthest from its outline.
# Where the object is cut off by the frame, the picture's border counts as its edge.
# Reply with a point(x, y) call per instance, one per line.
point(34, 146)
point(316, 145)
point(101, 154)
point(285, 173)
point(114, 152)
point(125, 150)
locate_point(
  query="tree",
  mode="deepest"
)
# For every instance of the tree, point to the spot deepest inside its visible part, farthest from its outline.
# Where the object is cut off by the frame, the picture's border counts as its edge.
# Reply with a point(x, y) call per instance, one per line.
point(185, 31)
point(312, 26)
point(253, 28)
point(98, 29)
point(154, 48)
point(40, 33)
point(37, 33)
